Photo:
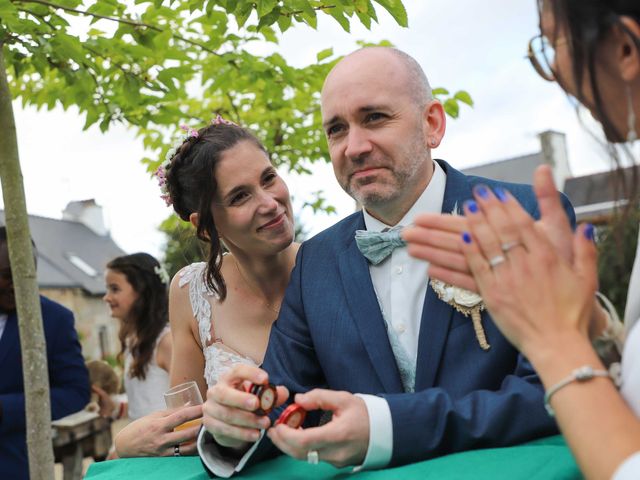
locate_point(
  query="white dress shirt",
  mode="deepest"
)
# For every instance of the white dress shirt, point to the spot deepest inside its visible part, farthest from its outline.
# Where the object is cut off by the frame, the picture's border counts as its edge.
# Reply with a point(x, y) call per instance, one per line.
point(400, 283)
point(3, 322)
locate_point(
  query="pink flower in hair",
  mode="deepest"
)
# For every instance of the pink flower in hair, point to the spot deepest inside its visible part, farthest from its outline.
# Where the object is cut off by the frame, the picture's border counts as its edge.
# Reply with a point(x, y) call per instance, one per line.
point(221, 121)
point(191, 132)
point(161, 175)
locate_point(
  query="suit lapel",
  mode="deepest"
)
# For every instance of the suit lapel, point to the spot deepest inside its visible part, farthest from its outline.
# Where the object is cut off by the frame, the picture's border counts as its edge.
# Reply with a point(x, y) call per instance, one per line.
point(436, 314)
point(365, 310)
point(9, 340)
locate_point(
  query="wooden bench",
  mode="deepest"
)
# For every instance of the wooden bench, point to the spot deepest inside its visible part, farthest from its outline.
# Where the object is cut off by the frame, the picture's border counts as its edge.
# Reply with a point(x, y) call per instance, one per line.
point(79, 435)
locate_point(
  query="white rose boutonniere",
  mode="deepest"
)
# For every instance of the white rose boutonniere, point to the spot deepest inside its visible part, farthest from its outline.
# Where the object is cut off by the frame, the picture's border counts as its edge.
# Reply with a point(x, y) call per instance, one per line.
point(464, 301)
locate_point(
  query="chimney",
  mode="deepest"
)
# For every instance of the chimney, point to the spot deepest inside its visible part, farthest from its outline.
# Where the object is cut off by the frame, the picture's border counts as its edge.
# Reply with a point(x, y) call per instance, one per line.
point(554, 153)
point(88, 213)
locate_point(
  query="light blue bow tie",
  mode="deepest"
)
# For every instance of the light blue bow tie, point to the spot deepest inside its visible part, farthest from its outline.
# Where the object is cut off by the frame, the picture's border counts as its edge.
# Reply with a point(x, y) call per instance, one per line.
point(376, 246)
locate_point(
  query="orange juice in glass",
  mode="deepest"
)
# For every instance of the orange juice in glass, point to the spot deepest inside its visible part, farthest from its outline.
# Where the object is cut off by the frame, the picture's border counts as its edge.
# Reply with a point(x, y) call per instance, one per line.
point(189, 424)
point(184, 395)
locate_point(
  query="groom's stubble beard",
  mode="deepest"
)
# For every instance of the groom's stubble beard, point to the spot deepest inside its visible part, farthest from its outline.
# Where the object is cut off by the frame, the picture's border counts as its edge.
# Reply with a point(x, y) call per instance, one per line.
point(401, 173)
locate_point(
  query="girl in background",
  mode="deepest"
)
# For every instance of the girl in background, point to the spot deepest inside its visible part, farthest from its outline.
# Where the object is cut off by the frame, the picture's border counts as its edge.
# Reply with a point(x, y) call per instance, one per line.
point(137, 297)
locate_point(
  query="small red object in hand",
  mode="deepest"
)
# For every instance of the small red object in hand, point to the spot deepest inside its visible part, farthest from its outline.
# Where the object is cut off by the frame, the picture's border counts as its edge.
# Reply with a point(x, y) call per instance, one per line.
point(293, 416)
point(267, 396)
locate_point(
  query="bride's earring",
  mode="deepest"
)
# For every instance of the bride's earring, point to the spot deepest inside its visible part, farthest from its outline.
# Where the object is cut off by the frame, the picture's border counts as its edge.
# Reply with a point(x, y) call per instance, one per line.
point(632, 135)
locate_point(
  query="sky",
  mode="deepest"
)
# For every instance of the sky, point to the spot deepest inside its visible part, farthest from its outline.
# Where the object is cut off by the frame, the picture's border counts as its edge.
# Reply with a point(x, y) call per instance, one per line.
point(463, 44)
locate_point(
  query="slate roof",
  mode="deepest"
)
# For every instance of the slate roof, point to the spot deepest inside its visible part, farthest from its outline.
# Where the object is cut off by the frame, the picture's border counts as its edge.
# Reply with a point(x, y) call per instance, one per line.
point(594, 188)
point(516, 169)
point(60, 240)
point(597, 194)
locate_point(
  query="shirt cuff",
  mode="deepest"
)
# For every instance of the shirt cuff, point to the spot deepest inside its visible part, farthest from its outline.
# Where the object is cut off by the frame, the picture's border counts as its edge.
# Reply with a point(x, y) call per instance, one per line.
point(217, 460)
point(629, 469)
point(380, 433)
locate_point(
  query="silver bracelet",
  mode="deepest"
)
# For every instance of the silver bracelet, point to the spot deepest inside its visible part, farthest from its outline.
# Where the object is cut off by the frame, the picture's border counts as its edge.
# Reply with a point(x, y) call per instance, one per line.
point(582, 374)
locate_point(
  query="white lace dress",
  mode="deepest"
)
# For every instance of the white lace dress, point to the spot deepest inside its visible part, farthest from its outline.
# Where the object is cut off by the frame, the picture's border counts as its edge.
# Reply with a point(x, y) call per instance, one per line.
point(218, 358)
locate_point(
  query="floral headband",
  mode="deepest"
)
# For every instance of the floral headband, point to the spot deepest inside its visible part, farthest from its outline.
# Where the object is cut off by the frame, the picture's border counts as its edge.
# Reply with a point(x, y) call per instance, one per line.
point(161, 172)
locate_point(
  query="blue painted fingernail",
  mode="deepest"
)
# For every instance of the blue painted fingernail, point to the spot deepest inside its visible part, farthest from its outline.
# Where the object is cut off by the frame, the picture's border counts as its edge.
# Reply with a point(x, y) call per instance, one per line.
point(589, 232)
point(501, 194)
point(482, 191)
point(472, 206)
point(466, 237)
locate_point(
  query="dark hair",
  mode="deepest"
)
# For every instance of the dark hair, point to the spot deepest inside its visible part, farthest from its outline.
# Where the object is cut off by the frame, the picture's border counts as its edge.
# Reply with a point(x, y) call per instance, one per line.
point(149, 313)
point(588, 23)
point(192, 186)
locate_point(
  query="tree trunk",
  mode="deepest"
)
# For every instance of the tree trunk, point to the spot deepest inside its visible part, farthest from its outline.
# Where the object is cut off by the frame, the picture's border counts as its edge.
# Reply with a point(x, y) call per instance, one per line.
point(32, 343)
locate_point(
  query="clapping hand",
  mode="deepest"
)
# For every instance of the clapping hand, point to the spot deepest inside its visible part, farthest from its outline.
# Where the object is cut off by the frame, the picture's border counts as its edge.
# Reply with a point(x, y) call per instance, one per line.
point(537, 296)
point(436, 237)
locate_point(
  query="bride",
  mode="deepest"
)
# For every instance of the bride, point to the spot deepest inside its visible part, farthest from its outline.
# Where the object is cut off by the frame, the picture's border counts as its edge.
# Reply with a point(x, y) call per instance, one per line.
point(221, 180)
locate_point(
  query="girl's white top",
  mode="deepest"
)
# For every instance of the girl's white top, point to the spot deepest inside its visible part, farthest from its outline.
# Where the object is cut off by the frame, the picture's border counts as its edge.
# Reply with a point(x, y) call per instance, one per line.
point(146, 396)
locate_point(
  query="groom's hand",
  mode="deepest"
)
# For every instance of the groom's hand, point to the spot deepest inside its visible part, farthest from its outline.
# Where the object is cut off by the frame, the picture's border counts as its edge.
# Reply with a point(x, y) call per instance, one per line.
point(228, 412)
point(341, 442)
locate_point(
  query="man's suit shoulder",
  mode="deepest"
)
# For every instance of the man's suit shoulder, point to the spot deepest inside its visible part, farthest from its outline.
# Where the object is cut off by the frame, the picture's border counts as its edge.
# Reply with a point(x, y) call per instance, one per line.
point(525, 194)
point(336, 235)
point(55, 314)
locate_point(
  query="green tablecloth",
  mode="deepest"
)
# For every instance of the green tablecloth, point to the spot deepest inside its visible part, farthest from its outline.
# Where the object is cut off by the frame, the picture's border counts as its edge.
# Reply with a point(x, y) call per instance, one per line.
point(544, 459)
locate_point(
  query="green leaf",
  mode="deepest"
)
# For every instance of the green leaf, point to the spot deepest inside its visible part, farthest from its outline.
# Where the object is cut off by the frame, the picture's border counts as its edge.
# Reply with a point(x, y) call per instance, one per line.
point(7, 10)
point(439, 91)
point(396, 9)
point(242, 14)
point(161, 40)
point(270, 18)
point(104, 124)
point(365, 19)
point(131, 89)
point(92, 117)
point(284, 22)
point(269, 34)
point(231, 5)
point(452, 108)
point(264, 7)
point(67, 46)
point(326, 53)
point(464, 97)
point(339, 16)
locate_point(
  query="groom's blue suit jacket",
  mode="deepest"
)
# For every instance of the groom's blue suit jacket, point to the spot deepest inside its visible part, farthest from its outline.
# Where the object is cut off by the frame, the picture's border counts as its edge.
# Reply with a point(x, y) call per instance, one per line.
point(331, 334)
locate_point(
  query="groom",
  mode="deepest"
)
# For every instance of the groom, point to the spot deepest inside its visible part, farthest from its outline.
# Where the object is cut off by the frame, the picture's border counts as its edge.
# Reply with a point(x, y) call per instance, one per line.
point(375, 328)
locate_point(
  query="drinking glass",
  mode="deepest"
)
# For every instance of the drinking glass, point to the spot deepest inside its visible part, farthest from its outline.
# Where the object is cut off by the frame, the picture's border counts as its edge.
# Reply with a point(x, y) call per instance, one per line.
point(184, 395)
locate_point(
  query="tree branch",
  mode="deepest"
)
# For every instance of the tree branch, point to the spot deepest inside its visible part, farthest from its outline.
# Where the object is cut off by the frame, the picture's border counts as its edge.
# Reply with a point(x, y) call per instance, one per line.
point(298, 12)
point(124, 21)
